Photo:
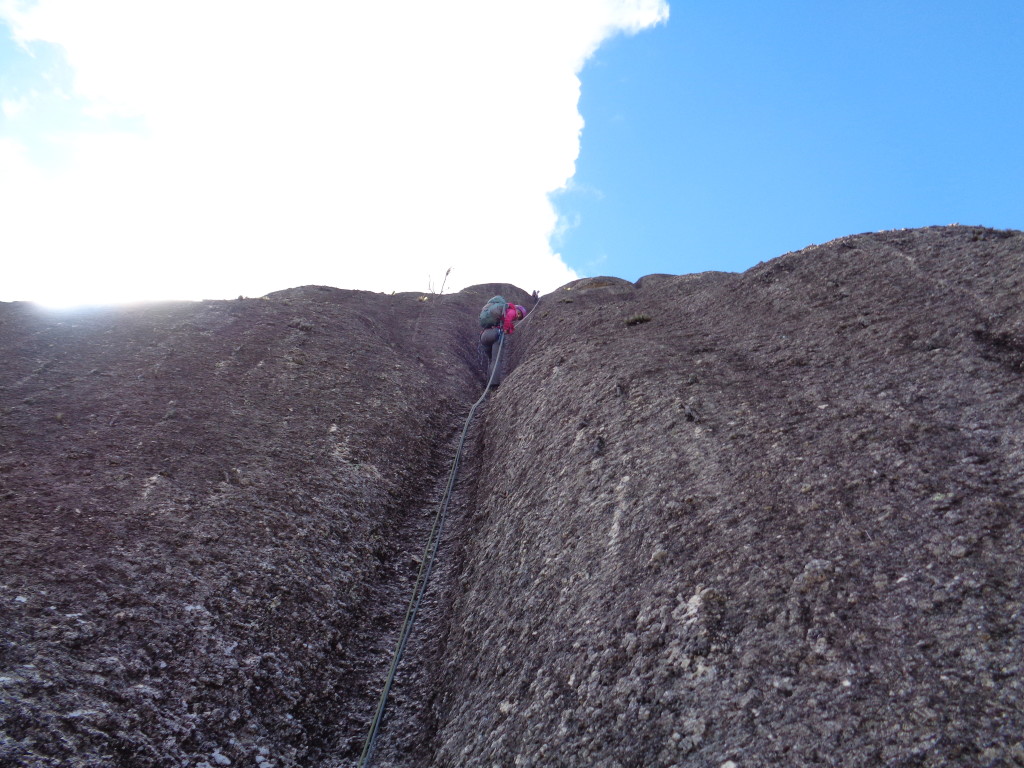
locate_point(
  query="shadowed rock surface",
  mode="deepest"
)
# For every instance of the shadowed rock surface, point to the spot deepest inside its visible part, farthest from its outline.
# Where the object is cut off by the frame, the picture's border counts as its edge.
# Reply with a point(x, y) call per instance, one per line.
point(763, 519)
point(208, 518)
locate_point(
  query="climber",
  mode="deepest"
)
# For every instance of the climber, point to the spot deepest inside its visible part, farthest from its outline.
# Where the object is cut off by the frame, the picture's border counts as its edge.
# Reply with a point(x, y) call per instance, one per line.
point(498, 323)
point(506, 324)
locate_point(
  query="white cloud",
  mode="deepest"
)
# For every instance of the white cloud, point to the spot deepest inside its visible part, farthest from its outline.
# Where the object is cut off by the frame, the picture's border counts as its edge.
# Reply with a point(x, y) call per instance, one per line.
point(11, 107)
point(363, 145)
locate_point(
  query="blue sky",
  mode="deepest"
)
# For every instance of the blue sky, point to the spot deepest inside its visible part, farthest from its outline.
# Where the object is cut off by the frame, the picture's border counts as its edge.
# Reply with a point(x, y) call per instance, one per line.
point(740, 131)
point(154, 149)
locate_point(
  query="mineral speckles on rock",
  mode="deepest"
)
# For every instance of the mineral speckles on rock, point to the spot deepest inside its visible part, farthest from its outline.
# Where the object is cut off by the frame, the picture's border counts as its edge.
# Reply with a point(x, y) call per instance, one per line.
point(778, 583)
point(187, 516)
point(792, 607)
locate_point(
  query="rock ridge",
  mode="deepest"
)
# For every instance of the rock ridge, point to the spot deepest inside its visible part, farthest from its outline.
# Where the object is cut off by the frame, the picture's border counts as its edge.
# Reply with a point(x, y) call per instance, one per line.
point(769, 518)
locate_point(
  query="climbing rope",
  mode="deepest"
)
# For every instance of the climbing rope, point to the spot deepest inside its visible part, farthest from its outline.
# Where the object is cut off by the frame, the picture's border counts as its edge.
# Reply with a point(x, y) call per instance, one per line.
point(426, 567)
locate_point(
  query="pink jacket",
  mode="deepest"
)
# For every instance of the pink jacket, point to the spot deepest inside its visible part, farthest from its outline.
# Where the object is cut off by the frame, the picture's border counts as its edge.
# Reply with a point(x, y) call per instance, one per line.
point(511, 316)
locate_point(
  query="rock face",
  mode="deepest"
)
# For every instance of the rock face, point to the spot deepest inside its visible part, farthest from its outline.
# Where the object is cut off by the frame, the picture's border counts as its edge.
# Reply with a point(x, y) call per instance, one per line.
point(707, 520)
point(208, 514)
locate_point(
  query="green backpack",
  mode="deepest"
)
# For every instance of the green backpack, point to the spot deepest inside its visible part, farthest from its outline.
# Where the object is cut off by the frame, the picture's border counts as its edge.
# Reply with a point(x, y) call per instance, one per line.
point(493, 312)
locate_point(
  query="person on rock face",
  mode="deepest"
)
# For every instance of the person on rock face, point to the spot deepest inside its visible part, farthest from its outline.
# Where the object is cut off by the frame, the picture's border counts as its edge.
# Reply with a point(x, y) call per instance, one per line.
point(513, 314)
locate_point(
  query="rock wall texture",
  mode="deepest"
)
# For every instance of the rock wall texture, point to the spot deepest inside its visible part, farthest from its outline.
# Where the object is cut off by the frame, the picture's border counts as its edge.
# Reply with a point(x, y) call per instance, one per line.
point(722, 520)
point(762, 519)
point(207, 519)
